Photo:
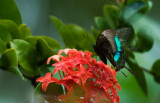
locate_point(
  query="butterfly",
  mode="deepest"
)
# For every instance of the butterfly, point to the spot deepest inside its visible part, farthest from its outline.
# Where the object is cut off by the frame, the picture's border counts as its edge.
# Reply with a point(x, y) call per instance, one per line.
point(111, 43)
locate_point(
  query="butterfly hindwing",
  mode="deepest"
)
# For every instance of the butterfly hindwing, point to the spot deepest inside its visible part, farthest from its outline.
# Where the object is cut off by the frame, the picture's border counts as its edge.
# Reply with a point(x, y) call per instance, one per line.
point(123, 34)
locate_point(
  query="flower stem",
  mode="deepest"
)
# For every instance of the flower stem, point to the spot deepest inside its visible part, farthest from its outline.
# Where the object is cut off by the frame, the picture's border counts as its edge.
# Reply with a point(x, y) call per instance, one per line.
point(63, 74)
point(60, 74)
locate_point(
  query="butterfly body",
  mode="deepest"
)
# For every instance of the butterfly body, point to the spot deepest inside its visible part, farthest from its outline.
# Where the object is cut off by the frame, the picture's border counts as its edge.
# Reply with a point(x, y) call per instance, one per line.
point(110, 43)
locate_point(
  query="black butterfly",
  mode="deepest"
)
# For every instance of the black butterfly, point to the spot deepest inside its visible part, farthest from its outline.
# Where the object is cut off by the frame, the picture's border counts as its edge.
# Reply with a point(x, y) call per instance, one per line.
point(110, 43)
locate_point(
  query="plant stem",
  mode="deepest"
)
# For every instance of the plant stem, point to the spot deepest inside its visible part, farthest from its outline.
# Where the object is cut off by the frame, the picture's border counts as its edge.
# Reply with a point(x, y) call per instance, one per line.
point(146, 70)
point(60, 74)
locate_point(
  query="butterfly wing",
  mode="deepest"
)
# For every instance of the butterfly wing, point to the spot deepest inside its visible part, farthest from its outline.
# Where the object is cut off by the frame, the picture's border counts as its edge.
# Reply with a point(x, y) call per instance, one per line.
point(106, 41)
point(106, 46)
point(123, 34)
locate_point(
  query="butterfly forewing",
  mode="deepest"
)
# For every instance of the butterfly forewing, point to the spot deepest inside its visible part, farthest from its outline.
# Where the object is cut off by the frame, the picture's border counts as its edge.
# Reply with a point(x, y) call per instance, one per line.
point(105, 46)
point(106, 41)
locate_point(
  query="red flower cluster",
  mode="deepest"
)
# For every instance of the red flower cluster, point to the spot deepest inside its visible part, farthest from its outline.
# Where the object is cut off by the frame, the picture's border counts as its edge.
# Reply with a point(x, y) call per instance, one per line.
point(95, 81)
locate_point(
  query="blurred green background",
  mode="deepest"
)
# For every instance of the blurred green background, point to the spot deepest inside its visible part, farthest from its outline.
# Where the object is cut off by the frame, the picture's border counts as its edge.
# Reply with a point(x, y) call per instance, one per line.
point(35, 13)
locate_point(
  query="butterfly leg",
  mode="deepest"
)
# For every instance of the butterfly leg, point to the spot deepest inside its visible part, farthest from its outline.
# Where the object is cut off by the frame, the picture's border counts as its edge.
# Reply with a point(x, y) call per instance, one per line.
point(111, 59)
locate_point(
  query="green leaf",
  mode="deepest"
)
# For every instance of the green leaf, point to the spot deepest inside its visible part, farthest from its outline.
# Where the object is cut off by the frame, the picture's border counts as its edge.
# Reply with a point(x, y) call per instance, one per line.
point(9, 58)
point(145, 40)
point(54, 44)
point(4, 34)
point(111, 15)
point(65, 33)
point(2, 47)
point(139, 74)
point(82, 37)
point(53, 91)
point(43, 69)
point(9, 61)
point(24, 31)
point(101, 23)
point(156, 70)
point(95, 32)
point(135, 7)
point(27, 56)
point(9, 10)
point(33, 40)
point(44, 49)
point(12, 28)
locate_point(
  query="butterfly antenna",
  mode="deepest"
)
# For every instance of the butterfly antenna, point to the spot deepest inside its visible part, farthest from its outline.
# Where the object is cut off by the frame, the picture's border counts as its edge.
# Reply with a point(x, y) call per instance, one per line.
point(130, 70)
point(123, 73)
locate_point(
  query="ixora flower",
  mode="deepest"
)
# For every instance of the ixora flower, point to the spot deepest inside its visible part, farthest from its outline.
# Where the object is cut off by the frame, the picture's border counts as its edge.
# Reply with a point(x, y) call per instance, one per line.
point(85, 79)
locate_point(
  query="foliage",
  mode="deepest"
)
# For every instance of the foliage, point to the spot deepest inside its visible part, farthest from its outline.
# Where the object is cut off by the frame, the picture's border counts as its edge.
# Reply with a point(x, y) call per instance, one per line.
point(20, 52)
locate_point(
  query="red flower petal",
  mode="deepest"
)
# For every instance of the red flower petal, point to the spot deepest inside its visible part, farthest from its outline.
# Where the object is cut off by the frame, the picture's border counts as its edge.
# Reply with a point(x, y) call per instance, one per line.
point(47, 75)
point(46, 80)
point(41, 79)
point(66, 51)
point(44, 86)
point(54, 57)
point(53, 79)
point(63, 51)
point(118, 86)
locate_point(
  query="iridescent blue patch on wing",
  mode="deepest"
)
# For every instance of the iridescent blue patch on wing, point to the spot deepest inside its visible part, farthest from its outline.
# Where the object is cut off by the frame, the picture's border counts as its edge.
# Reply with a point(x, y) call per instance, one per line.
point(117, 56)
point(118, 44)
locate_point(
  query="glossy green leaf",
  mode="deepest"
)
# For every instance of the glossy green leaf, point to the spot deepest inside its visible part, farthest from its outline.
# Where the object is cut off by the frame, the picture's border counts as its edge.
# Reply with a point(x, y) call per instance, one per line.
point(54, 44)
point(149, 3)
point(24, 31)
point(65, 33)
point(101, 23)
point(155, 70)
point(82, 37)
point(12, 28)
point(145, 41)
point(9, 61)
point(9, 58)
point(132, 1)
point(4, 34)
point(2, 47)
point(139, 74)
point(95, 32)
point(27, 56)
point(111, 15)
point(44, 50)
point(43, 69)
point(53, 90)
point(135, 7)
point(9, 10)
point(32, 40)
